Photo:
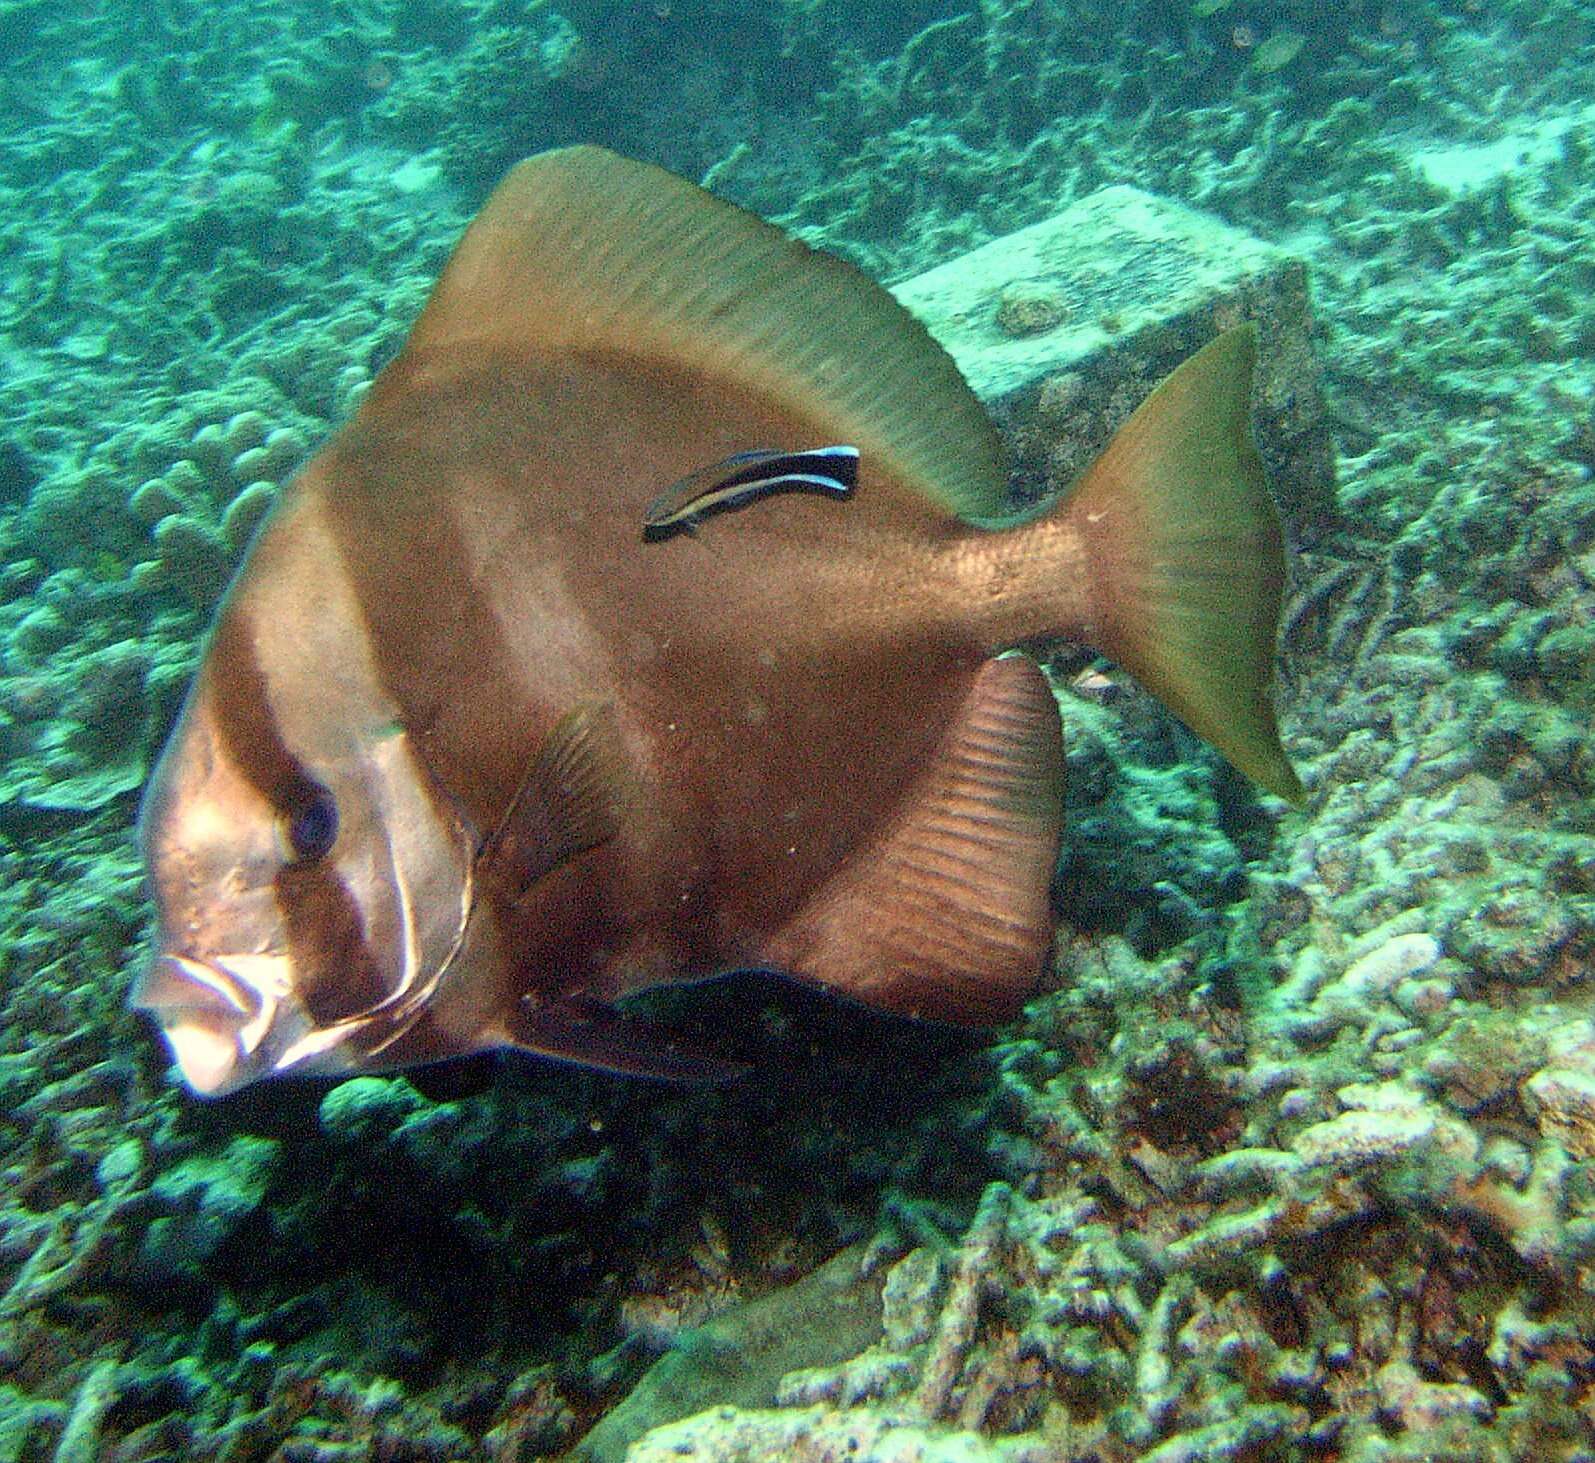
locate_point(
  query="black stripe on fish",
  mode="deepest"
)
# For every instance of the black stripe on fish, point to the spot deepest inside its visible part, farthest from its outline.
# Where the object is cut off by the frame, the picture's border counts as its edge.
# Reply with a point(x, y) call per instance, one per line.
point(745, 477)
point(246, 720)
point(335, 974)
point(409, 568)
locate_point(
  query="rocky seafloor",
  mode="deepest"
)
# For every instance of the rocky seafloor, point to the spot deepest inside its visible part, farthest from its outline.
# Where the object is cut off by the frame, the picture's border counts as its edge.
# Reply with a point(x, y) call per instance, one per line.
point(1295, 1156)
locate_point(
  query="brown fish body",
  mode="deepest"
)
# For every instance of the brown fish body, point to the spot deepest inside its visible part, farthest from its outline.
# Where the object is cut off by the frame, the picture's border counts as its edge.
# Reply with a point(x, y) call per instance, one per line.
point(726, 655)
point(562, 763)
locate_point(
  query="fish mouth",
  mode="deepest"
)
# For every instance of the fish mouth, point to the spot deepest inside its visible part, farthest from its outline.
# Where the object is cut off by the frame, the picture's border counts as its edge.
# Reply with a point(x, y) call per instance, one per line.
point(217, 1014)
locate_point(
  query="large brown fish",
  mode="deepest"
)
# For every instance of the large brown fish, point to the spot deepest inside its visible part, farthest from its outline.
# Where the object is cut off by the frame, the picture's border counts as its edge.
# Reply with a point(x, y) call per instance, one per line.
point(480, 743)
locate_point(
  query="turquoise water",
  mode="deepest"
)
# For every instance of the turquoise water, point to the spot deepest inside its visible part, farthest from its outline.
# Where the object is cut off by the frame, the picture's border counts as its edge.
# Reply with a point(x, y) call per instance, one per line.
point(1289, 1158)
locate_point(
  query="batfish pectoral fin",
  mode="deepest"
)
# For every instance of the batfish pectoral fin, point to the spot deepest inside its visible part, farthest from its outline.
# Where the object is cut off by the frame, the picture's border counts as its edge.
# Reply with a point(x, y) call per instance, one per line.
point(947, 914)
point(572, 798)
point(592, 1034)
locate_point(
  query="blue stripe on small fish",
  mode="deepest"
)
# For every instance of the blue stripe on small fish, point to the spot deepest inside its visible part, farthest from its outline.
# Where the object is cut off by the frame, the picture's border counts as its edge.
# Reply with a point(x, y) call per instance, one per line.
point(744, 477)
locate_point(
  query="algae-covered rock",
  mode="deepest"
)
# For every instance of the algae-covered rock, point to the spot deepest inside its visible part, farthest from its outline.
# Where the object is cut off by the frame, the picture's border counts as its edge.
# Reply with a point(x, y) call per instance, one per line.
point(1115, 291)
point(366, 1109)
point(155, 498)
point(1356, 1139)
point(194, 558)
point(202, 1202)
point(822, 1435)
point(1561, 1099)
point(246, 511)
point(81, 728)
point(737, 1359)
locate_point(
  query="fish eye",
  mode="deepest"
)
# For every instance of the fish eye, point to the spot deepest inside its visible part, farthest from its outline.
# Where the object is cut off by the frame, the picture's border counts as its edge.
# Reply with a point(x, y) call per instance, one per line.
point(312, 823)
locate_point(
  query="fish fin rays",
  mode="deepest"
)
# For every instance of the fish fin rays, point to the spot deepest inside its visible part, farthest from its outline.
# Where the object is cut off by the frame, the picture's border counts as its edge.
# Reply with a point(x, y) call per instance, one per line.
point(582, 250)
point(571, 800)
point(946, 915)
point(1187, 557)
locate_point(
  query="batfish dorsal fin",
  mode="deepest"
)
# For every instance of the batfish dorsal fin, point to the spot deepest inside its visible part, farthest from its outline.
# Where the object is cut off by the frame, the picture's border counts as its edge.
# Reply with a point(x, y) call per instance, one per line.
point(946, 915)
point(580, 249)
point(569, 801)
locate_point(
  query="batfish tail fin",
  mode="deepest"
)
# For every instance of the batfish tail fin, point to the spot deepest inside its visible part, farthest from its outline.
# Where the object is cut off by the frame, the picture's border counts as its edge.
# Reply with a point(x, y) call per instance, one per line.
point(1185, 558)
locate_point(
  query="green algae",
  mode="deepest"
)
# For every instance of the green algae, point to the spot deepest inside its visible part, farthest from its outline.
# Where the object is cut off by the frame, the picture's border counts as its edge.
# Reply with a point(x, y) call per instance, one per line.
point(737, 1359)
point(1278, 51)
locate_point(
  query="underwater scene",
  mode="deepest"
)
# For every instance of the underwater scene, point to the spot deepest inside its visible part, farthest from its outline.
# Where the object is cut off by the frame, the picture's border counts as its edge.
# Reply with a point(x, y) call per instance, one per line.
point(656, 803)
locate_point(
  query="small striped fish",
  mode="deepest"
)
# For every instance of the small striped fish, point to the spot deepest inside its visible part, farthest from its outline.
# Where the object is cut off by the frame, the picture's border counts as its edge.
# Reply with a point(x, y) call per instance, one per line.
point(745, 477)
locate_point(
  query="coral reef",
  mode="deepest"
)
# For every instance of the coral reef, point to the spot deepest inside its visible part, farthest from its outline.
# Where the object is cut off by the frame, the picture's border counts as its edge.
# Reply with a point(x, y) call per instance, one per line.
point(1291, 1159)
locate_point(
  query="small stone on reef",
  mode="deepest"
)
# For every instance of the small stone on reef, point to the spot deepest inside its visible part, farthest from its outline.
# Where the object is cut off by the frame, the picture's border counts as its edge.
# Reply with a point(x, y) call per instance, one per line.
point(1030, 309)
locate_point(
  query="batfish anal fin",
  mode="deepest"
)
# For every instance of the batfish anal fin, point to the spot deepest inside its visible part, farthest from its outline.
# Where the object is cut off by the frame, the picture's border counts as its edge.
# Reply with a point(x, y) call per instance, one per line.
point(591, 1034)
point(570, 800)
point(739, 480)
point(947, 914)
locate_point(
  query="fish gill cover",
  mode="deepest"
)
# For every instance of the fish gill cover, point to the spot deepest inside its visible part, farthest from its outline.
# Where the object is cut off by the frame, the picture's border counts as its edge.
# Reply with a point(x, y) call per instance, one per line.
point(1291, 1157)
